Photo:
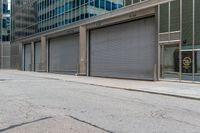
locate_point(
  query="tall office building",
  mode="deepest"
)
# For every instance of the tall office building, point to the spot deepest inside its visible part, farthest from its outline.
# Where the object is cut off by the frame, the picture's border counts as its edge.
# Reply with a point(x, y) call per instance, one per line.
point(5, 34)
point(134, 39)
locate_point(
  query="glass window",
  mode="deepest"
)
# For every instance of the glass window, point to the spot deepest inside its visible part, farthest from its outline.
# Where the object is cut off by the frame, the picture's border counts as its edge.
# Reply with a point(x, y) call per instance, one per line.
point(175, 16)
point(97, 3)
point(128, 2)
point(120, 3)
point(102, 4)
point(41, 15)
point(164, 18)
point(136, 1)
point(114, 6)
point(187, 27)
point(187, 65)
point(197, 66)
point(197, 24)
point(108, 5)
point(82, 12)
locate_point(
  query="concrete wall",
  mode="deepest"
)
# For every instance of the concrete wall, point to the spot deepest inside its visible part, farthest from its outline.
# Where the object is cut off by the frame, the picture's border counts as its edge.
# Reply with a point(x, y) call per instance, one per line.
point(16, 56)
point(17, 53)
point(5, 55)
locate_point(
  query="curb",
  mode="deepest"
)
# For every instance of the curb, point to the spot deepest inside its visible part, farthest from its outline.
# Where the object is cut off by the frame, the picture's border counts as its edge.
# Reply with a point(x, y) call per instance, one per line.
point(139, 90)
point(128, 89)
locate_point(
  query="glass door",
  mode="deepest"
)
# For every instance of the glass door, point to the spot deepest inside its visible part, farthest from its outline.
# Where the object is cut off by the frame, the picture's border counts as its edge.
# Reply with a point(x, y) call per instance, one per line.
point(187, 65)
point(176, 64)
point(170, 62)
point(190, 65)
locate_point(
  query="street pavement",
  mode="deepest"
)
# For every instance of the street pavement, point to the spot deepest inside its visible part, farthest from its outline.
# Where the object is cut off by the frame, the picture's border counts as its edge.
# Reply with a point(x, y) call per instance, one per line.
point(38, 104)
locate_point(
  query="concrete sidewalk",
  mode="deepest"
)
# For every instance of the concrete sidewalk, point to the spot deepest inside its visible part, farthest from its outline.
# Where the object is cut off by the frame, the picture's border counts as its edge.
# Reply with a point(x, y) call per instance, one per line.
point(186, 90)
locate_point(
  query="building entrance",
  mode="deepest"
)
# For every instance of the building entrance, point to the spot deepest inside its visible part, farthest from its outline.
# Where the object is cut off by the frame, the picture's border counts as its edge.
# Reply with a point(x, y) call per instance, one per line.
point(179, 64)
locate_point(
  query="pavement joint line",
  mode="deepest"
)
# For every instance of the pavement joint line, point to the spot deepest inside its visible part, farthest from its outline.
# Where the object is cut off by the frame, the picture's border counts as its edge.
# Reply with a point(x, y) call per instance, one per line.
point(88, 123)
point(25, 123)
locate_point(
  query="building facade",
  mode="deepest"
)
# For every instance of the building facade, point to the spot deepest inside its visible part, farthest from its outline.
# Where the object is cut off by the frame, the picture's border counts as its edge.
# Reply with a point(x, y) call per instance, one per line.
point(5, 34)
point(134, 39)
point(180, 40)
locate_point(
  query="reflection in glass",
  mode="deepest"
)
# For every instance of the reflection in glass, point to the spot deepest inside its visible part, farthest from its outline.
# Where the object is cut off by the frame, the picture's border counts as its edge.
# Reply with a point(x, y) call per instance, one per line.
point(170, 62)
point(187, 65)
point(197, 24)
point(197, 71)
point(135, 1)
point(128, 2)
point(164, 18)
point(175, 15)
point(187, 27)
point(33, 16)
point(5, 20)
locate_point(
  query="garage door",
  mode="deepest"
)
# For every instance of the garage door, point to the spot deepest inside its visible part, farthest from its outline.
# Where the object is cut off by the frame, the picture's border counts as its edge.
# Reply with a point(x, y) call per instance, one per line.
point(27, 57)
point(64, 54)
point(125, 50)
point(37, 56)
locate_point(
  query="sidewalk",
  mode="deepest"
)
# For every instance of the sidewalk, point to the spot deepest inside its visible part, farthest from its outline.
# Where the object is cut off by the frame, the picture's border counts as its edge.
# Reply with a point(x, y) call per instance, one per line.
point(186, 90)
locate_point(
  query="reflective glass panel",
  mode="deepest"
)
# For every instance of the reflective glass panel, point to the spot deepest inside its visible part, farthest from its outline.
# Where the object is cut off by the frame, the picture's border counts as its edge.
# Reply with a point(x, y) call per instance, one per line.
point(175, 15)
point(164, 18)
point(187, 27)
point(187, 65)
point(128, 2)
point(33, 16)
point(170, 61)
point(197, 24)
point(197, 67)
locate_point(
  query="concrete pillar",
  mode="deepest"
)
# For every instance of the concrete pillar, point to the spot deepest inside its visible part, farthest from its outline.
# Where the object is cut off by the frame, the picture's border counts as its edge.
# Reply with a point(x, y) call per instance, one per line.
point(17, 56)
point(83, 50)
point(32, 56)
point(43, 58)
point(1, 55)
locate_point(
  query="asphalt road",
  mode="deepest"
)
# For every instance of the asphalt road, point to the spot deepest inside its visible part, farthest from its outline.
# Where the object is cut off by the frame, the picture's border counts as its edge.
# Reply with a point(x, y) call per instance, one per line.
point(31, 104)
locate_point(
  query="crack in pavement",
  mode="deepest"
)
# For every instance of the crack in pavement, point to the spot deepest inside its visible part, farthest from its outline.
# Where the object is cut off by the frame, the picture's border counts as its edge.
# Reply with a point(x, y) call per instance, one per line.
point(25, 123)
point(20, 106)
point(82, 121)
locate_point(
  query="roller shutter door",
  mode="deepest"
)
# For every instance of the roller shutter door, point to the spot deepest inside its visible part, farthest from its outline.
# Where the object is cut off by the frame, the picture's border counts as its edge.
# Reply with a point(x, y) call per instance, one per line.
point(27, 57)
point(64, 54)
point(125, 50)
point(37, 56)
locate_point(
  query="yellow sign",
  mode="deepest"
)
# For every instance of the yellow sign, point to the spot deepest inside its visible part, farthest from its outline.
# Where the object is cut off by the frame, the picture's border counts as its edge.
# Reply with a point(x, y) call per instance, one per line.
point(187, 62)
